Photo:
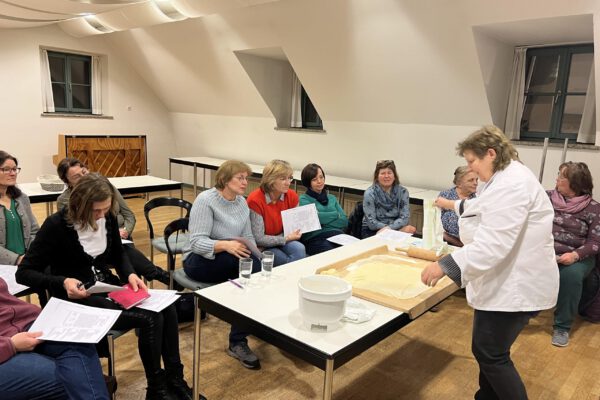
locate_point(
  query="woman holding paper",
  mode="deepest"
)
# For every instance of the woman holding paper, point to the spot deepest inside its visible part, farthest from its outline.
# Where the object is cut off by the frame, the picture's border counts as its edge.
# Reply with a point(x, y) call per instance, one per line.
point(79, 245)
point(507, 264)
point(331, 215)
point(266, 204)
point(18, 225)
point(31, 368)
point(219, 226)
point(385, 203)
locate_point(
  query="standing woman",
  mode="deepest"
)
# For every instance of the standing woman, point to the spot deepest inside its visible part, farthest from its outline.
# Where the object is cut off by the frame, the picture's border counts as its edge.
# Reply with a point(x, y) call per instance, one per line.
point(507, 264)
point(331, 215)
point(18, 226)
point(219, 216)
point(385, 203)
point(576, 232)
point(465, 186)
point(266, 204)
point(80, 244)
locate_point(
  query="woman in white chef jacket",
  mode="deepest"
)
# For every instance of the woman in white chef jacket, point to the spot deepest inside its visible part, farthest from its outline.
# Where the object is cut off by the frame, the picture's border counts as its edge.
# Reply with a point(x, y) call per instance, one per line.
point(508, 264)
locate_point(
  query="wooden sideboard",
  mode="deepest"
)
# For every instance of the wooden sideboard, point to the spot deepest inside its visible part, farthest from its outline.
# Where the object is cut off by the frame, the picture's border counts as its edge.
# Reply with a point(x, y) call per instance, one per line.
point(110, 155)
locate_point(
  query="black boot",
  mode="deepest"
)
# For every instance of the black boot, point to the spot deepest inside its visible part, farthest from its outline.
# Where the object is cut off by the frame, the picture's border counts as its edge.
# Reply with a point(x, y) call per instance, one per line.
point(178, 387)
point(163, 277)
point(157, 387)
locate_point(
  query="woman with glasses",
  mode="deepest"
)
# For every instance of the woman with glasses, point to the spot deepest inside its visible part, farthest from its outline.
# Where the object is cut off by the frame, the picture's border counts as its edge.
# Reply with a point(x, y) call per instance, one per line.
point(79, 245)
point(219, 226)
point(18, 226)
point(71, 170)
point(331, 215)
point(266, 204)
point(385, 203)
point(576, 231)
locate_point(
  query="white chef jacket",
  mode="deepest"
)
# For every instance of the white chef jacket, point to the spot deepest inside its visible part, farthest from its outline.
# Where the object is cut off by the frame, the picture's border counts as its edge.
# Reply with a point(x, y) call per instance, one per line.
point(508, 261)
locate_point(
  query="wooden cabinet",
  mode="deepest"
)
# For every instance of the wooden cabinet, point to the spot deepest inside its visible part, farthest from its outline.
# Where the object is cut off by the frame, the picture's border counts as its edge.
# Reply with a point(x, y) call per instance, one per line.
point(109, 155)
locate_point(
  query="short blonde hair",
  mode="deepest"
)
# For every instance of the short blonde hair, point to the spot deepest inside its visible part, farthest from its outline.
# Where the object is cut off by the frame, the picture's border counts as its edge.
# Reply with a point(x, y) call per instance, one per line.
point(90, 189)
point(490, 137)
point(274, 170)
point(227, 170)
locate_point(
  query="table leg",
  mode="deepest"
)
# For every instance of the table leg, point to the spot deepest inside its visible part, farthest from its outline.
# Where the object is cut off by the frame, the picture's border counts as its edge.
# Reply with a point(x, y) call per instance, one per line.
point(328, 384)
point(170, 169)
point(195, 181)
point(196, 362)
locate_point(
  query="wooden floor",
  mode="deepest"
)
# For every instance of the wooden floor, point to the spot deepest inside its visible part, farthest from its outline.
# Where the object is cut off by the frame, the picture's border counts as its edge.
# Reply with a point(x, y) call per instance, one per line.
point(428, 359)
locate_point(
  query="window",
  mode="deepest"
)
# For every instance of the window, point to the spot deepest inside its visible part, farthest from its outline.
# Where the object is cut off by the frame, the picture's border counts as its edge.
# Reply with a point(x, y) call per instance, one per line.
point(555, 90)
point(70, 75)
point(310, 117)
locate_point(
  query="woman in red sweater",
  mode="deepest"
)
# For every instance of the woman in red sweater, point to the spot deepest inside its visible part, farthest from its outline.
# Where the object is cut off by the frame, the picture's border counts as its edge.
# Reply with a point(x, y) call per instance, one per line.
point(266, 204)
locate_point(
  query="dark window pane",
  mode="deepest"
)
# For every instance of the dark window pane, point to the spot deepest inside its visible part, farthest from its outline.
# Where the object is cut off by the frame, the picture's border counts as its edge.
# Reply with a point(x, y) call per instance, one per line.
point(572, 114)
point(544, 73)
point(59, 95)
point(537, 114)
point(81, 97)
point(579, 73)
point(57, 69)
point(80, 71)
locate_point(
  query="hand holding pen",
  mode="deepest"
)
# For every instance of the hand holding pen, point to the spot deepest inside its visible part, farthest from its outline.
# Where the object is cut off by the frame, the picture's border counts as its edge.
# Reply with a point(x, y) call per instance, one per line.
point(75, 289)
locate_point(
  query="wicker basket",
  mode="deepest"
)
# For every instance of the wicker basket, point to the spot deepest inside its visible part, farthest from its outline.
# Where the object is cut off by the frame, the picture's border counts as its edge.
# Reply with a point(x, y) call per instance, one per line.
point(51, 183)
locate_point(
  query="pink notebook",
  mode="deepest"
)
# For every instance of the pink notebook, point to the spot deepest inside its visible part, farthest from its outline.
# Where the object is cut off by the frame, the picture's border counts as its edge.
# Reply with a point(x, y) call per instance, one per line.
point(128, 298)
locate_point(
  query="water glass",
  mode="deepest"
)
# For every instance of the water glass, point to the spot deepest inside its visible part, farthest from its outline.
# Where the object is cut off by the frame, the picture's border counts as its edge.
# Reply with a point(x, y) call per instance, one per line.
point(245, 271)
point(266, 262)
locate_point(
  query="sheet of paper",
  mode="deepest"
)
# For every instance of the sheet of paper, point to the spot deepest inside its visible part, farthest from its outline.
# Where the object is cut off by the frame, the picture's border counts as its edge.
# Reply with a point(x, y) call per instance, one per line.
point(101, 287)
point(64, 321)
point(343, 239)
point(393, 235)
point(7, 272)
point(159, 300)
point(257, 253)
point(304, 218)
point(126, 241)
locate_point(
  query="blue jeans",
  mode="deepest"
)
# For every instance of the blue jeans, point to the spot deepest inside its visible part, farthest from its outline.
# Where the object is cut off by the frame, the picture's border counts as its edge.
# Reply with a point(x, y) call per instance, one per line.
point(289, 252)
point(54, 370)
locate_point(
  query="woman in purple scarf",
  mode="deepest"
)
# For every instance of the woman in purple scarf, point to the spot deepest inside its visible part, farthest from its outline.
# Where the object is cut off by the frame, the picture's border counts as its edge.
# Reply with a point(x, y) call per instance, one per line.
point(576, 233)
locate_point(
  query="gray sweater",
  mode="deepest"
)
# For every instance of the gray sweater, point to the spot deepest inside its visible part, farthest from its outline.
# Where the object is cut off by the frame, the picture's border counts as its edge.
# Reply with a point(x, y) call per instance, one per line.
point(215, 218)
point(30, 228)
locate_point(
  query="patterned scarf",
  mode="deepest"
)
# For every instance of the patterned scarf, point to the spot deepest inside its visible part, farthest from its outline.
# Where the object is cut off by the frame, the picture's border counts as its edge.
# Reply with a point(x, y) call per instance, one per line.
point(388, 202)
point(572, 206)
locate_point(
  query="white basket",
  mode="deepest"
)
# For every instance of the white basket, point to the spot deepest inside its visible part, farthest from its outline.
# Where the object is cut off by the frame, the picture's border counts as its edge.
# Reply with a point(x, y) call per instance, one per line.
point(51, 183)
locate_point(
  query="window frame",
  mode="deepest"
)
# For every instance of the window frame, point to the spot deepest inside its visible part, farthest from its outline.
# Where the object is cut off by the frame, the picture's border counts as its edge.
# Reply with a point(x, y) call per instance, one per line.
point(306, 103)
point(565, 54)
point(67, 62)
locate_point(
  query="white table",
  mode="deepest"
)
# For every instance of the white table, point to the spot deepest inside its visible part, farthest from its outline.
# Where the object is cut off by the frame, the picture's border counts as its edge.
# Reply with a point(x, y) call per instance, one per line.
point(125, 185)
point(271, 313)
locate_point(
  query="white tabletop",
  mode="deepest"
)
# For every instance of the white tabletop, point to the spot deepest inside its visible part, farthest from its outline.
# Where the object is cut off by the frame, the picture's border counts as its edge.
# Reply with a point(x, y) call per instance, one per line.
point(132, 182)
point(275, 303)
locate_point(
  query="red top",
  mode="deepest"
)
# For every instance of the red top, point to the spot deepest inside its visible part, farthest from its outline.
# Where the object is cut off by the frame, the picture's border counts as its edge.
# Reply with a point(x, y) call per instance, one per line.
point(271, 212)
point(15, 316)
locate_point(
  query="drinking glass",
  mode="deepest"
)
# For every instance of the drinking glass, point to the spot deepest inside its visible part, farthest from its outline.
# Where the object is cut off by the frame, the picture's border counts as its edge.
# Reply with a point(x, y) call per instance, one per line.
point(266, 262)
point(245, 271)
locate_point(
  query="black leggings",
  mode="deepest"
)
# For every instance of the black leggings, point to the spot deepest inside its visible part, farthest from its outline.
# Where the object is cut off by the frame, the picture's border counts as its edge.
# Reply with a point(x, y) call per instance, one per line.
point(158, 333)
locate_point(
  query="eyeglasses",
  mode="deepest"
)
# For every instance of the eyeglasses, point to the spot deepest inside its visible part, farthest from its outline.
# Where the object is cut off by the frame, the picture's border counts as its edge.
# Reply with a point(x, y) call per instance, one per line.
point(8, 170)
point(286, 178)
point(241, 178)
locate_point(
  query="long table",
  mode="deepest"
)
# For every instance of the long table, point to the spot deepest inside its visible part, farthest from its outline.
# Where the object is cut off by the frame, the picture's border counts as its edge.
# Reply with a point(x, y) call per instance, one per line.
point(125, 185)
point(341, 184)
point(271, 313)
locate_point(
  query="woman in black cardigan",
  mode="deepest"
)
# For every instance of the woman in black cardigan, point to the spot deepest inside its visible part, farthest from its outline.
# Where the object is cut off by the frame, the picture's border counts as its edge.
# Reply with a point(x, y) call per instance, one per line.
point(80, 244)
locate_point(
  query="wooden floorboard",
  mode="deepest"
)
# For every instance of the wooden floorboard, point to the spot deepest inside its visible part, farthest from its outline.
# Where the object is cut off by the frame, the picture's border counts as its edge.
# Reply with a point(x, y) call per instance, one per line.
point(428, 359)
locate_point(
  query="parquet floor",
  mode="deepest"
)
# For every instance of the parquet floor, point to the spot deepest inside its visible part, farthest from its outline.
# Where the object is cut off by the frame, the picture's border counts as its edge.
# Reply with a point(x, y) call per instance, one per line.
point(428, 359)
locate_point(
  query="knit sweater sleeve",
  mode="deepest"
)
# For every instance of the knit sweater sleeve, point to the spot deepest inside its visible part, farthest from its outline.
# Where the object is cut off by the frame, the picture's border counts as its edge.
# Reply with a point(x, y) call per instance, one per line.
point(591, 246)
point(200, 228)
point(258, 231)
point(126, 216)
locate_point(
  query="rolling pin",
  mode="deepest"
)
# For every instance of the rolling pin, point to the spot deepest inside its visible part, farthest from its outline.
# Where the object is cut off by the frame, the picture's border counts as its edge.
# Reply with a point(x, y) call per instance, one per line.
point(417, 252)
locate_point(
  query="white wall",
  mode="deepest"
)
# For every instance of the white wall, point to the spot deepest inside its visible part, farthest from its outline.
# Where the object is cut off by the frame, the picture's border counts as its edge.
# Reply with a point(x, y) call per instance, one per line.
point(34, 139)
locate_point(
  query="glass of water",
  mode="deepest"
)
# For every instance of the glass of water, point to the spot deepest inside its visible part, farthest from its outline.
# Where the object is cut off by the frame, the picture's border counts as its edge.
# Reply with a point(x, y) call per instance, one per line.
point(245, 271)
point(266, 262)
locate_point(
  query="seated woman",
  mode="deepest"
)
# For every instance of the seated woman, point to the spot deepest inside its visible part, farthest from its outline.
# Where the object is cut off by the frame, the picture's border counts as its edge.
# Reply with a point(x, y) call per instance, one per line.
point(331, 215)
point(219, 216)
point(576, 231)
point(71, 170)
point(385, 203)
point(465, 185)
point(80, 244)
point(266, 204)
point(15, 215)
point(31, 368)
